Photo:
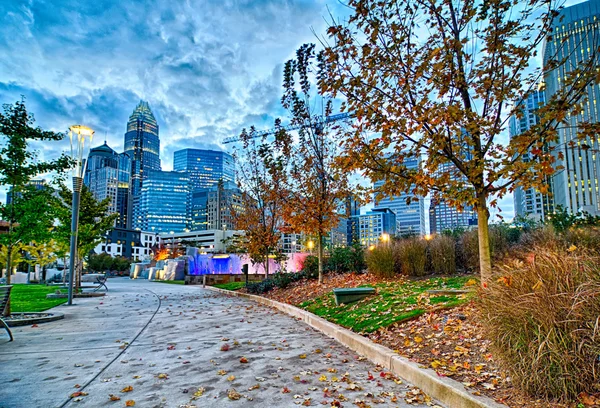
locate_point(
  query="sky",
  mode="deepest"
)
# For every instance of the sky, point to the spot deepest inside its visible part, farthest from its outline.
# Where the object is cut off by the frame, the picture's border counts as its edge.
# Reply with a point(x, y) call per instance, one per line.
point(207, 68)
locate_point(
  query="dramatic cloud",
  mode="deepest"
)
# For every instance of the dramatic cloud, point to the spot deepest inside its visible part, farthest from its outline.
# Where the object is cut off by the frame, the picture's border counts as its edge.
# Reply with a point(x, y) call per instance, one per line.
point(208, 68)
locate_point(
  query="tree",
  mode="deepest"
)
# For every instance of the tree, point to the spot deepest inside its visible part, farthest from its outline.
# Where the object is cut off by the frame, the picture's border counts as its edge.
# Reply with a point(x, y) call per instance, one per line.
point(437, 79)
point(100, 262)
point(42, 254)
point(18, 166)
point(260, 181)
point(94, 221)
point(315, 186)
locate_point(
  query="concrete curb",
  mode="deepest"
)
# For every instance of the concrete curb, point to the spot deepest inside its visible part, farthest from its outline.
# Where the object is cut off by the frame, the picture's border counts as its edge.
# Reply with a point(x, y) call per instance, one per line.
point(443, 389)
point(34, 320)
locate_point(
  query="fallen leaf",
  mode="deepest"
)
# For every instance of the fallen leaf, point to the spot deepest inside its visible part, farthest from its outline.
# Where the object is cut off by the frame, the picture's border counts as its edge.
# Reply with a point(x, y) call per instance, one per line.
point(113, 397)
point(129, 403)
point(231, 377)
point(129, 388)
point(243, 360)
point(233, 395)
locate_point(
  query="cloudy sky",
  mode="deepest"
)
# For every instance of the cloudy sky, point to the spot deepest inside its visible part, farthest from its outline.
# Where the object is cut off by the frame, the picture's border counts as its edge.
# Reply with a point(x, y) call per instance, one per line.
point(208, 68)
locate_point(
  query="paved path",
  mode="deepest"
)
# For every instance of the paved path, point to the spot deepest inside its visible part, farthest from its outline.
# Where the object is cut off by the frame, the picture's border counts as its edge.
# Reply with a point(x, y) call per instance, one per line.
point(165, 341)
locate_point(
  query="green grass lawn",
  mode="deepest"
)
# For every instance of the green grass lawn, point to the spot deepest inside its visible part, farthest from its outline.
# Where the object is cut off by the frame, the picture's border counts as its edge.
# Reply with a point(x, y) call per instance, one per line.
point(230, 285)
point(172, 282)
point(394, 302)
point(32, 298)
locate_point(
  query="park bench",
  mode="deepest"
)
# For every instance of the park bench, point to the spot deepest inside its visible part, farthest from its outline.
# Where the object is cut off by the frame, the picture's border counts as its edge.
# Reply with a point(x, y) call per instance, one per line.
point(97, 281)
point(4, 296)
point(348, 295)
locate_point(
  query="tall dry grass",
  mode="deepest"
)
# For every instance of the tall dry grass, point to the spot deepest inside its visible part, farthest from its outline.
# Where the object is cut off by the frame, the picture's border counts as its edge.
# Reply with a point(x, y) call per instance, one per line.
point(543, 316)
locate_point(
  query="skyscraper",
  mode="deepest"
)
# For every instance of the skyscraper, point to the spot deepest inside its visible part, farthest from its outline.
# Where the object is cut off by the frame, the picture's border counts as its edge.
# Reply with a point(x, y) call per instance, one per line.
point(529, 202)
point(107, 176)
point(205, 167)
point(164, 203)
point(410, 217)
point(443, 216)
point(142, 145)
point(575, 37)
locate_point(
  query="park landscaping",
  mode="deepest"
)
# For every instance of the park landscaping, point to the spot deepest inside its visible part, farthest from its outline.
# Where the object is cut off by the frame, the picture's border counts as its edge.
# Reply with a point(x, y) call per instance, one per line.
point(32, 298)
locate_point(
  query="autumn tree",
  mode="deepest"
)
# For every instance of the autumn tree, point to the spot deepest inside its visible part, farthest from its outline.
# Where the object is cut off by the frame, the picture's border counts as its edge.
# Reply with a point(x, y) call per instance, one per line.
point(315, 186)
point(438, 79)
point(42, 254)
point(18, 165)
point(260, 181)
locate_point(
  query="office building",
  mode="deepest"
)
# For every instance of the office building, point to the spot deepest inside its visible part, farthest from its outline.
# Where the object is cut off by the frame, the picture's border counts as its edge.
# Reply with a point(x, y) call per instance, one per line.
point(131, 244)
point(142, 145)
point(222, 203)
point(36, 184)
point(164, 203)
point(209, 241)
point(367, 229)
point(575, 31)
point(529, 202)
point(444, 217)
point(410, 216)
point(205, 167)
point(107, 176)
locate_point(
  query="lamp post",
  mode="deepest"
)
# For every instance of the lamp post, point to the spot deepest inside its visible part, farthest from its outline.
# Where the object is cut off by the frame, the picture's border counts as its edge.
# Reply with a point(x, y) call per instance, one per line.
point(77, 136)
point(385, 237)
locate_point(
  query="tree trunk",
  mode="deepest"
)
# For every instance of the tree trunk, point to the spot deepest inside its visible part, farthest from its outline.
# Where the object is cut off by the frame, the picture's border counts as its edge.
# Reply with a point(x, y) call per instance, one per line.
point(8, 271)
point(65, 270)
point(320, 256)
point(485, 256)
point(267, 266)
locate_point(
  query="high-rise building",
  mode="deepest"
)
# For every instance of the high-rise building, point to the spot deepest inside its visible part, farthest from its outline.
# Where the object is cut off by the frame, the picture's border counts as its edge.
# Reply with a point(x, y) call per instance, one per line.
point(205, 167)
point(575, 31)
point(164, 203)
point(530, 202)
point(142, 145)
point(368, 229)
point(222, 201)
point(37, 184)
point(410, 216)
point(443, 217)
point(107, 176)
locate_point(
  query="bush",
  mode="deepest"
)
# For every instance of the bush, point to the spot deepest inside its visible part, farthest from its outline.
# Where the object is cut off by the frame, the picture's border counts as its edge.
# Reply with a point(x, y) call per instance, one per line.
point(347, 259)
point(258, 288)
point(411, 256)
point(310, 267)
point(542, 317)
point(502, 238)
point(443, 255)
point(380, 261)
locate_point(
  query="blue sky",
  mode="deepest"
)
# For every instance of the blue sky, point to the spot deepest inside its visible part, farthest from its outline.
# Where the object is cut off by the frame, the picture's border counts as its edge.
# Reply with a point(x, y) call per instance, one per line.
point(207, 68)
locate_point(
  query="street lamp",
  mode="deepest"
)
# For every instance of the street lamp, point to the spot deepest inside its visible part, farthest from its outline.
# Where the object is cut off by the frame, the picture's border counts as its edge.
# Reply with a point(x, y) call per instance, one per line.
point(77, 136)
point(311, 245)
point(385, 238)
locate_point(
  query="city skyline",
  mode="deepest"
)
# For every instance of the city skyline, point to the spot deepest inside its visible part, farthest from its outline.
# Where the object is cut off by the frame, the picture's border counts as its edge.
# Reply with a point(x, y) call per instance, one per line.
point(202, 76)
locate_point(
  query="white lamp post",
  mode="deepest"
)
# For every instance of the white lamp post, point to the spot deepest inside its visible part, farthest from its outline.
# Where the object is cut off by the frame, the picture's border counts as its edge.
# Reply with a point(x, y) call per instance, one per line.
point(77, 136)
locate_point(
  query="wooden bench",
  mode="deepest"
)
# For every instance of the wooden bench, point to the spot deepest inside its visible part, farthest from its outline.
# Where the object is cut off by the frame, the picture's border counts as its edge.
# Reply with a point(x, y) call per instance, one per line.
point(4, 296)
point(98, 280)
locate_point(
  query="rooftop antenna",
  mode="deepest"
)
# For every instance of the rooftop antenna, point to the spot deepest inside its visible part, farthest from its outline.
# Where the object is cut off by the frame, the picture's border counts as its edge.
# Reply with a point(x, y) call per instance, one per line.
point(105, 132)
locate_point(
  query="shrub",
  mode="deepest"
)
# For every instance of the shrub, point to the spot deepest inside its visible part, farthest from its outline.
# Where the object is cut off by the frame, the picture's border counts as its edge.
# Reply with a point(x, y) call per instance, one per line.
point(443, 255)
point(380, 261)
point(310, 267)
point(258, 288)
point(411, 256)
point(502, 238)
point(282, 280)
point(347, 259)
point(542, 317)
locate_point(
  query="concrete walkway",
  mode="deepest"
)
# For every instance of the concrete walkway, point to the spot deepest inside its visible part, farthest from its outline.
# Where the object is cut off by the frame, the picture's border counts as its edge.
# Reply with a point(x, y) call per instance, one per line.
point(166, 342)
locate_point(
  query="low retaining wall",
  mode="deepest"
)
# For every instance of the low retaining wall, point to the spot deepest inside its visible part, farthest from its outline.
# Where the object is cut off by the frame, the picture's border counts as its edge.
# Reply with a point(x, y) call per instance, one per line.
point(444, 389)
point(215, 279)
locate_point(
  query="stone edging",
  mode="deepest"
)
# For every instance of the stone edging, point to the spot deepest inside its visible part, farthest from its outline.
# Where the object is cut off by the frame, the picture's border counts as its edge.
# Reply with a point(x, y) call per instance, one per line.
point(443, 389)
point(34, 320)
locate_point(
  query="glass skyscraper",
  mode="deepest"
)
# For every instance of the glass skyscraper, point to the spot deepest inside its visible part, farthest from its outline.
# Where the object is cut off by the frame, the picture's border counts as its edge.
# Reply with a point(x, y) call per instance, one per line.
point(574, 37)
point(410, 217)
point(164, 203)
point(142, 145)
point(205, 167)
point(107, 176)
point(530, 202)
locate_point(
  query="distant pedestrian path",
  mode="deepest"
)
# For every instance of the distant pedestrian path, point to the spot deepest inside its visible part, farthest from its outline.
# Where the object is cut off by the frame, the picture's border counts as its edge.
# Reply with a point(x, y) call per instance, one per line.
point(163, 345)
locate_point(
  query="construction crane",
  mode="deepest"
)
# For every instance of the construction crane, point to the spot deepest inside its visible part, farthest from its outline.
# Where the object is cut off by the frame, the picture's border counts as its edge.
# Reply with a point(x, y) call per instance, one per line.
point(318, 123)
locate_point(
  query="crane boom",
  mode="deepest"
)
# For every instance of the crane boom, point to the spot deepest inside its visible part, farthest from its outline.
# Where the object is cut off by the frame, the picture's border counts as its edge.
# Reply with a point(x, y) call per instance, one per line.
point(319, 121)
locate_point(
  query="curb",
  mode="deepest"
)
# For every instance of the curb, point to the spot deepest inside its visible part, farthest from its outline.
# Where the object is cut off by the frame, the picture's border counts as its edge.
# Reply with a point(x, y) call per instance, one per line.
point(443, 389)
point(34, 320)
